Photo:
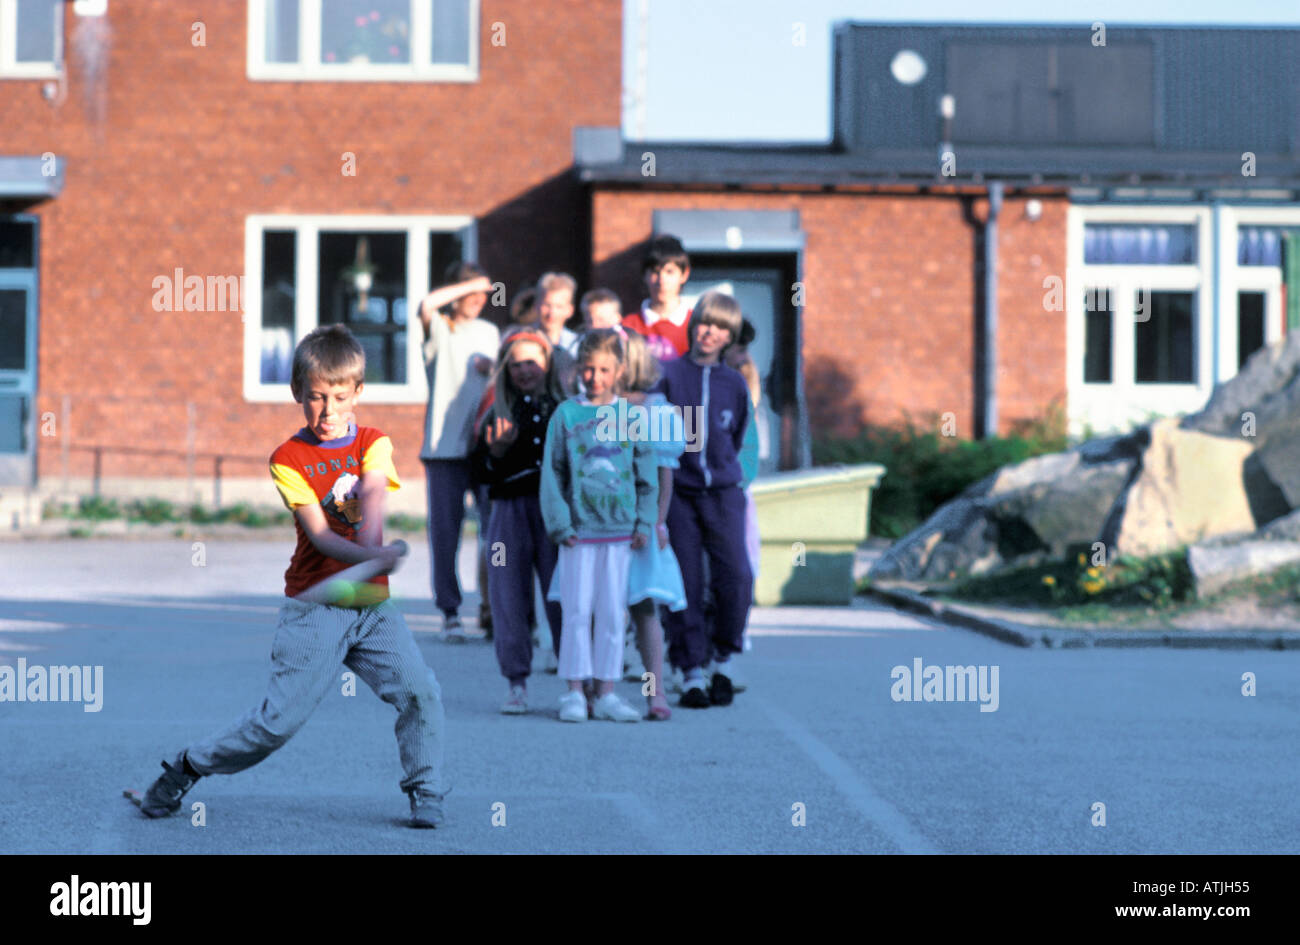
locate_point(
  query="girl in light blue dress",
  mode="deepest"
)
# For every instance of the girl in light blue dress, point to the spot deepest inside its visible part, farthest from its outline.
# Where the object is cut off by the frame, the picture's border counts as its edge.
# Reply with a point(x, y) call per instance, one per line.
point(653, 574)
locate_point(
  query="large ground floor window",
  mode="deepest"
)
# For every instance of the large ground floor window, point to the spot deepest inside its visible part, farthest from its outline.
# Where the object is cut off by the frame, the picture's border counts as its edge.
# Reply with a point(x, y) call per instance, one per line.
point(368, 273)
point(1164, 303)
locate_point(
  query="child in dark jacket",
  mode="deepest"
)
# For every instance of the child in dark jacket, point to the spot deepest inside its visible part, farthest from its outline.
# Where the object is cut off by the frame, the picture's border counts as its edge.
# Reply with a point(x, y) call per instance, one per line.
point(707, 514)
point(508, 458)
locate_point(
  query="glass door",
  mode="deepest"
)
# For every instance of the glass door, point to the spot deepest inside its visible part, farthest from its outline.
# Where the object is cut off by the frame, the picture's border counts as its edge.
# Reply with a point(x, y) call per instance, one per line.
point(760, 292)
point(17, 377)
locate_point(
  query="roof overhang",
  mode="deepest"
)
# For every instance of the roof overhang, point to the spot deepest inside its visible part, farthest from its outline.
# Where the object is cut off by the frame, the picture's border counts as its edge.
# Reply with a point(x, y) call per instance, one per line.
point(37, 177)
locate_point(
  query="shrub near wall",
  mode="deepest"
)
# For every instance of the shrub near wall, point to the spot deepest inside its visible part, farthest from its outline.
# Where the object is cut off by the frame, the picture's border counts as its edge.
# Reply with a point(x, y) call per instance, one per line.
point(924, 469)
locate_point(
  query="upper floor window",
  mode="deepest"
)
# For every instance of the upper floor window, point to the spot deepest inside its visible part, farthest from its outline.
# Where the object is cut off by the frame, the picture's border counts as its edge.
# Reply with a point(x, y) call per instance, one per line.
point(1262, 245)
point(1139, 244)
point(363, 40)
point(31, 39)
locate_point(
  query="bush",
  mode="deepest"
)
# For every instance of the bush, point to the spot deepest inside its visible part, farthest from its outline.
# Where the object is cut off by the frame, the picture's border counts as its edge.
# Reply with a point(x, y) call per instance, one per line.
point(201, 514)
point(244, 514)
point(151, 510)
point(98, 508)
point(923, 469)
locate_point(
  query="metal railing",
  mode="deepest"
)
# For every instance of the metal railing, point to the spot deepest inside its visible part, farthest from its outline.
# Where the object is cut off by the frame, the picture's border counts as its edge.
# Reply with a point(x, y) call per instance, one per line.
point(218, 460)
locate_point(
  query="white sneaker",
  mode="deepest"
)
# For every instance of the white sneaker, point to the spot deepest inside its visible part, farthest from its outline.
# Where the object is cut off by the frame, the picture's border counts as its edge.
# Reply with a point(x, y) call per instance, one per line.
point(573, 706)
point(452, 631)
point(614, 709)
point(516, 702)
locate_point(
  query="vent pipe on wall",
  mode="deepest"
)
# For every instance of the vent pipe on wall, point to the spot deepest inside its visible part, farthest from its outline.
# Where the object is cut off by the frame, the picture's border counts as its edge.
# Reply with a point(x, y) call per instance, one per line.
point(991, 312)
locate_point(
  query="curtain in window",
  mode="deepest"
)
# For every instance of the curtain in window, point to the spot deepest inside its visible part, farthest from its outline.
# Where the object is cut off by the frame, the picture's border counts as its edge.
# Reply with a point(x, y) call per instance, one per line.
point(1259, 246)
point(1127, 244)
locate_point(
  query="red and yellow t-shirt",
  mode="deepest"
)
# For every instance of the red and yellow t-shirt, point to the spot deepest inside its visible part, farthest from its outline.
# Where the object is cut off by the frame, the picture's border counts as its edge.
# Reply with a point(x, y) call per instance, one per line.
point(306, 470)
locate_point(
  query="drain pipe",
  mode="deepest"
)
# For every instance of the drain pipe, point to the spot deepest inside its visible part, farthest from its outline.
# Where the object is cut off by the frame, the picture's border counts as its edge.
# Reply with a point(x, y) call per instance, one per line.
point(991, 311)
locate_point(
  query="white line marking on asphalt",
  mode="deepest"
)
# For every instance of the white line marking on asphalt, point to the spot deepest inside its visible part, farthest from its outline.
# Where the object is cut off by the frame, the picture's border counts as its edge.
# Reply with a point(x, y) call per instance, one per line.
point(870, 804)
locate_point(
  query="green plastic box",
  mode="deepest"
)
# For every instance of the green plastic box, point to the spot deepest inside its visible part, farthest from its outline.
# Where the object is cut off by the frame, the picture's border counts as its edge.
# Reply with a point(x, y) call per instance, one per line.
point(810, 523)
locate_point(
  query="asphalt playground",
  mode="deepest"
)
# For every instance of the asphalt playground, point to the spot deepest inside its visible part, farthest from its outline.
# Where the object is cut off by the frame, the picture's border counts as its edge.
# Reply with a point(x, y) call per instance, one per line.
point(817, 756)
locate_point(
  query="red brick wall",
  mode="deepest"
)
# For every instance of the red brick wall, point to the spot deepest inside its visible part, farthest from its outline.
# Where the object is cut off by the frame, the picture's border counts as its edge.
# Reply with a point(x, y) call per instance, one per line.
point(189, 147)
point(890, 298)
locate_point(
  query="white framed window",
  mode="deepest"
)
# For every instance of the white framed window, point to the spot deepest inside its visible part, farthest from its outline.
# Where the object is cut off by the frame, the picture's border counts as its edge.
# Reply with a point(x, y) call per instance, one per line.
point(368, 272)
point(1251, 285)
point(31, 39)
point(1139, 339)
point(363, 40)
point(1155, 321)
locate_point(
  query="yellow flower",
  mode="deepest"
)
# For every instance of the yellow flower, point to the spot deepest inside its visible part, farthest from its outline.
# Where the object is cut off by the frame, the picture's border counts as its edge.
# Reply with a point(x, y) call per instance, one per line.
point(1092, 572)
point(1082, 558)
point(1049, 580)
point(1092, 587)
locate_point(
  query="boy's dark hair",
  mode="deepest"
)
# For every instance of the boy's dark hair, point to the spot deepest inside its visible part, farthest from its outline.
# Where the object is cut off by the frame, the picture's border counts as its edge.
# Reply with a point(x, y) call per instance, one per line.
point(522, 308)
point(331, 354)
point(665, 249)
point(462, 272)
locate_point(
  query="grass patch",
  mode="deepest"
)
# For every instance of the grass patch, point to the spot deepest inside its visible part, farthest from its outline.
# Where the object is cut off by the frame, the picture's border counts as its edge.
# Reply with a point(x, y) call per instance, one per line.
point(1156, 582)
point(401, 522)
point(161, 511)
point(1274, 589)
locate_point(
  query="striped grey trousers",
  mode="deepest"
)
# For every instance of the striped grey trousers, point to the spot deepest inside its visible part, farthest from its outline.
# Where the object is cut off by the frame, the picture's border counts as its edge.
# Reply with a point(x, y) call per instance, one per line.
point(311, 642)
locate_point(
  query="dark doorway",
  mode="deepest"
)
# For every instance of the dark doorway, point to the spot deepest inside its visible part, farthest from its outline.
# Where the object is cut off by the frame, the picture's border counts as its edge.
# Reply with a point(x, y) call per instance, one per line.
point(763, 285)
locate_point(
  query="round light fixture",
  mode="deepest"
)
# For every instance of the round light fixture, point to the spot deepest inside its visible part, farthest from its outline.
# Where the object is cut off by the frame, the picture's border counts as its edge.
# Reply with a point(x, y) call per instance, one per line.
point(908, 67)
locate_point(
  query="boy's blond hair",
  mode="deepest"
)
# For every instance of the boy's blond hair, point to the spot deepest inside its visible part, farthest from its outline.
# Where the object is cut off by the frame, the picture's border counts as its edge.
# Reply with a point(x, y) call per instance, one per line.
point(331, 354)
point(552, 281)
point(715, 308)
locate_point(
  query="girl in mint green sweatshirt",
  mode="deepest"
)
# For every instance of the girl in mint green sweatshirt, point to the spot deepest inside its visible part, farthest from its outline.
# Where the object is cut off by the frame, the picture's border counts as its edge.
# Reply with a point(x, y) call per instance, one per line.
point(599, 497)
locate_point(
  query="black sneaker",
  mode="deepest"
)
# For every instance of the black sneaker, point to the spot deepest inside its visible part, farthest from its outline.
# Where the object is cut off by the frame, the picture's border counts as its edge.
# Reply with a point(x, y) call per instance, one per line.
point(721, 691)
point(694, 696)
point(164, 796)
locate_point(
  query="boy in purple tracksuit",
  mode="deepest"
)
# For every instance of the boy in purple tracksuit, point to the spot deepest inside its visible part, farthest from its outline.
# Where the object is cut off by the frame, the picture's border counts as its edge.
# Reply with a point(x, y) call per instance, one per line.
point(707, 514)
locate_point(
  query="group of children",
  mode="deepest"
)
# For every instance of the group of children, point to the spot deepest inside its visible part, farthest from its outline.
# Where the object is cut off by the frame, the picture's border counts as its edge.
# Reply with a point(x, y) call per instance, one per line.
point(615, 520)
point(614, 524)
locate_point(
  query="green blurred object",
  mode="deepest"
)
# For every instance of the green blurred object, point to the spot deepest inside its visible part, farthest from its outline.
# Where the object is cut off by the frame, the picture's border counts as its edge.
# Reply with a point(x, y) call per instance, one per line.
point(810, 523)
point(1291, 277)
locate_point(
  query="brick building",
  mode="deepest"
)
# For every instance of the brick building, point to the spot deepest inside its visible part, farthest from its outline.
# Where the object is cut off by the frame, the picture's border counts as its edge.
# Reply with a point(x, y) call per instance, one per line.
point(145, 153)
point(1007, 218)
point(1145, 187)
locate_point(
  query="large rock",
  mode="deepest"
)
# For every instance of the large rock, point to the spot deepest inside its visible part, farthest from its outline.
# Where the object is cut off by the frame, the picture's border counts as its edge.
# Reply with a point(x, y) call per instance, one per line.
point(1227, 470)
point(1190, 487)
point(1215, 566)
point(1261, 406)
point(1022, 513)
point(1266, 388)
